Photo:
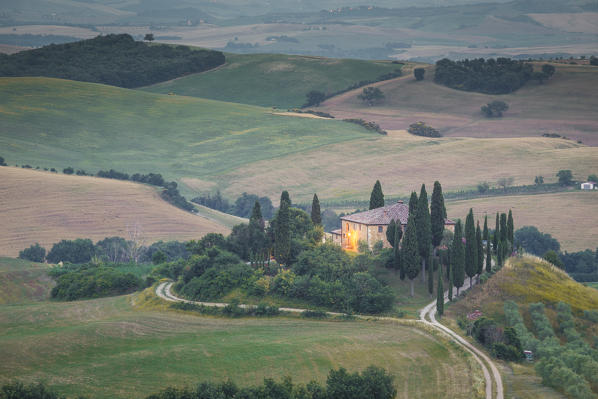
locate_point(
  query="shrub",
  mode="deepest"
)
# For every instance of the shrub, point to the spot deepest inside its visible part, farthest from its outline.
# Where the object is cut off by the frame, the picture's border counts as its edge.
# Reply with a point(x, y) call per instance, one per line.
point(421, 129)
point(35, 253)
point(494, 109)
point(314, 314)
point(419, 73)
point(93, 282)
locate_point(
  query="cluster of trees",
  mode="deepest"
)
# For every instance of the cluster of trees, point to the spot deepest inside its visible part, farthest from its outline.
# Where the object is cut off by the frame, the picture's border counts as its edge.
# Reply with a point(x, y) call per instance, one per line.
point(110, 249)
point(502, 342)
point(305, 268)
point(421, 129)
point(371, 95)
point(371, 383)
point(495, 109)
point(419, 73)
point(491, 76)
point(373, 126)
point(316, 97)
point(116, 60)
point(2, 162)
point(91, 281)
point(242, 207)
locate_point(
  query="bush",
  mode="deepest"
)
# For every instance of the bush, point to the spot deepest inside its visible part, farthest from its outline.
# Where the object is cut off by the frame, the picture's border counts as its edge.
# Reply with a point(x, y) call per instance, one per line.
point(2, 162)
point(35, 253)
point(17, 390)
point(494, 109)
point(419, 73)
point(373, 126)
point(314, 314)
point(93, 282)
point(68, 171)
point(421, 129)
point(371, 95)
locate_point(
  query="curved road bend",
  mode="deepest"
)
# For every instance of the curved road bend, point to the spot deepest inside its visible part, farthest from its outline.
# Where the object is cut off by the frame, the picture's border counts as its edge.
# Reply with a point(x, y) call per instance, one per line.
point(163, 290)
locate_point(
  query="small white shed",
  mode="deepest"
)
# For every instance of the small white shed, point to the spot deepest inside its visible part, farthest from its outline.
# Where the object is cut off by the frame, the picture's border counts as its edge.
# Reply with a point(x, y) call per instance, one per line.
point(589, 185)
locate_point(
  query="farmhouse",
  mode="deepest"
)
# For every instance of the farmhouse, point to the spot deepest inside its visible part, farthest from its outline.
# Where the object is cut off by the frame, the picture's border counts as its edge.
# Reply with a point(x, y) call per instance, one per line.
point(370, 226)
point(589, 185)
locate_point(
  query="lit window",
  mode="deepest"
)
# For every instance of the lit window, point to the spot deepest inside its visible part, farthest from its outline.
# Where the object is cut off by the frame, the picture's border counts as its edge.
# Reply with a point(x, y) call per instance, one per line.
point(379, 229)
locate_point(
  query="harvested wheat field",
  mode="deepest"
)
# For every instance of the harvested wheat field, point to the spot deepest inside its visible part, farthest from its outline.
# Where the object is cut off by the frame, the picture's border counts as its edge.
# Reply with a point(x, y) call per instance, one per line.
point(46, 207)
point(569, 217)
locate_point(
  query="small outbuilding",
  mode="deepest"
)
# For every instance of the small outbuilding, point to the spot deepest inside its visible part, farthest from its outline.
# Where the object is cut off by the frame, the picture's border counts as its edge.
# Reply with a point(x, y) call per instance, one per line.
point(589, 185)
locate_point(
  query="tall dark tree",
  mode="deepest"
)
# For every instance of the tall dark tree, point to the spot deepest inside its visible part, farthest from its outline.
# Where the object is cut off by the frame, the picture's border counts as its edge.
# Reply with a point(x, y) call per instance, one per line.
point(439, 294)
point(285, 197)
point(499, 254)
point(396, 249)
point(316, 216)
point(377, 197)
point(503, 227)
point(282, 233)
point(257, 235)
point(485, 235)
point(458, 257)
point(510, 231)
point(496, 236)
point(390, 232)
point(451, 283)
point(432, 264)
point(488, 257)
point(471, 248)
point(410, 253)
point(437, 214)
point(480, 248)
point(413, 203)
point(423, 228)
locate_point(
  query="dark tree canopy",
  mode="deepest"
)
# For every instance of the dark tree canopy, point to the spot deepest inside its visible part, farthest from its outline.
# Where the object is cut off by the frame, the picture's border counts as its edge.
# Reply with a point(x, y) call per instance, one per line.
point(471, 247)
point(419, 73)
point(495, 108)
point(35, 253)
point(565, 177)
point(314, 98)
point(282, 233)
point(480, 249)
point(534, 241)
point(116, 60)
point(437, 214)
point(73, 251)
point(371, 95)
point(439, 294)
point(458, 257)
point(409, 252)
point(377, 197)
point(316, 216)
point(413, 203)
point(421, 129)
point(491, 76)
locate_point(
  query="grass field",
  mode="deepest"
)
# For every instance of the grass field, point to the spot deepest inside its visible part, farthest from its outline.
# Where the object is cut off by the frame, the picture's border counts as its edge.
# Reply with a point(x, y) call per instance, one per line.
point(56, 123)
point(46, 207)
point(23, 281)
point(274, 79)
point(550, 213)
point(107, 348)
point(565, 105)
point(593, 284)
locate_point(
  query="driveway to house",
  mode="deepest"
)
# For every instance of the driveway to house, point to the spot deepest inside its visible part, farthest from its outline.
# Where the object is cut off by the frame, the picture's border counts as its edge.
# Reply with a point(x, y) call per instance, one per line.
point(163, 290)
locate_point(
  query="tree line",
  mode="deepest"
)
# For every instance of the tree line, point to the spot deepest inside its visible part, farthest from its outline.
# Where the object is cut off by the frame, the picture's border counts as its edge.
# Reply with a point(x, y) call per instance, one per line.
point(116, 60)
point(372, 383)
point(491, 76)
point(242, 206)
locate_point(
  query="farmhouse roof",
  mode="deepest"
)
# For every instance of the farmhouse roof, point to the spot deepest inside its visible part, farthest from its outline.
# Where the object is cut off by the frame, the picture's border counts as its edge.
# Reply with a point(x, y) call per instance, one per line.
point(383, 216)
point(337, 231)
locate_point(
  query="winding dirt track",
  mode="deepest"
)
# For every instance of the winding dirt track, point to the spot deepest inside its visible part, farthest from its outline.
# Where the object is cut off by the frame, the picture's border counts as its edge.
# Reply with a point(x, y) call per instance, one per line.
point(163, 290)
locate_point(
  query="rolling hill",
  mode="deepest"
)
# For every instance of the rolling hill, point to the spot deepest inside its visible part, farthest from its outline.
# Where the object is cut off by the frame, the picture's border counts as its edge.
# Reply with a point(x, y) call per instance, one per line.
point(565, 105)
point(274, 79)
point(46, 207)
point(23, 281)
point(209, 145)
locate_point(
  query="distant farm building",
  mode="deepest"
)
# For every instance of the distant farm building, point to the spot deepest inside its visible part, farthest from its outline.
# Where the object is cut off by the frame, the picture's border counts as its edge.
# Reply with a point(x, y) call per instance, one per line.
point(589, 185)
point(370, 226)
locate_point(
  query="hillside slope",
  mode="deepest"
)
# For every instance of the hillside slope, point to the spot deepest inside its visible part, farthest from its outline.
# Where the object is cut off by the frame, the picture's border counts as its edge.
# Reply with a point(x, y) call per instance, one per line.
point(565, 104)
point(550, 213)
point(23, 281)
point(274, 79)
point(47, 207)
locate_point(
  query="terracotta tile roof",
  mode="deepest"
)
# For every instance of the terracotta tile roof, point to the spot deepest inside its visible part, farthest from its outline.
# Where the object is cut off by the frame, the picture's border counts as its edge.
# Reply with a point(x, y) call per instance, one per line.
point(382, 216)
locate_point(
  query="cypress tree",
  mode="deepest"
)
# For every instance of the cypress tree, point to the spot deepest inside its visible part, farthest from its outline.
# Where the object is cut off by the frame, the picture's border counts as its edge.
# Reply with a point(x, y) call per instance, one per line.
point(496, 236)
point(410, 253)
point(257, 236)
point(503, 227)
point(488, 257)
point(285, 197)
point(377, 197)
point(433, 262)
point(423, 228)
point(396, 252)
point(480, 248)
point(458, 257)
point(450, 283)
point(316, 216)
point(439, 294)
point(437, 214)
point(510, 232)
point(413, 203)
point(390, 232)
point(282, 240)
point(499, 255)
point(256, 214)
point(471, 247)
point(485, 235)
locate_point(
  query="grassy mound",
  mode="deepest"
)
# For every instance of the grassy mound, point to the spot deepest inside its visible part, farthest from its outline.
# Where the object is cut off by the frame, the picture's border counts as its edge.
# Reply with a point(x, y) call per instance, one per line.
point(275, 79)
point(23, 281)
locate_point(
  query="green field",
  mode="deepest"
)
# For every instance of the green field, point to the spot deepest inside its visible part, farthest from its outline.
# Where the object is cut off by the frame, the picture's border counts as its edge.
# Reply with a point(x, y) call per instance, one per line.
point(593, 284)
point(112, 348)
point(56, 123)
point(274, 79)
